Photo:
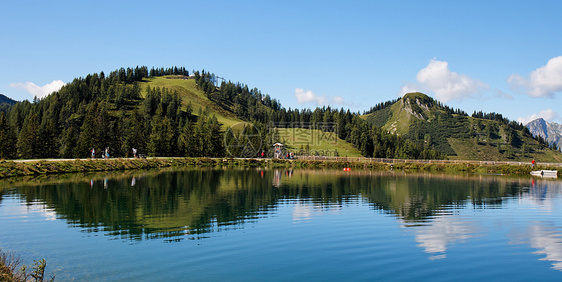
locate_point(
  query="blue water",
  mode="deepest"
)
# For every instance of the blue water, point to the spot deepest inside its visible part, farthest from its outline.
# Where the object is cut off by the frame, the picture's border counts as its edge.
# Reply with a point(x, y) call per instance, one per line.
point(278, 225)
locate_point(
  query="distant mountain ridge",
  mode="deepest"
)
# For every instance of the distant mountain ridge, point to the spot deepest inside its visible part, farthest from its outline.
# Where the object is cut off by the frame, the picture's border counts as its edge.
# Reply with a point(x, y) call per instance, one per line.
point(6, 100)
point(549, 131)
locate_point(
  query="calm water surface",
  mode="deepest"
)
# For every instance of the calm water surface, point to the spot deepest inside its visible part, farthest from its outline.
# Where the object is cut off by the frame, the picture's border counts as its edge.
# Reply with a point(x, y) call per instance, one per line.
point(214, 225)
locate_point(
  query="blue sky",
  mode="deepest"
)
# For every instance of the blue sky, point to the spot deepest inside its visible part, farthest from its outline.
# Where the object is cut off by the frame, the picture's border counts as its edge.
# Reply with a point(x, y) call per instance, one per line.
point(494, 56)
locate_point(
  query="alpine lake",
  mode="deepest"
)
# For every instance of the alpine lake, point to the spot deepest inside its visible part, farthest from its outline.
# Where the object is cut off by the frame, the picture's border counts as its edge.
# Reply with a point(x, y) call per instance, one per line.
point(285, 225)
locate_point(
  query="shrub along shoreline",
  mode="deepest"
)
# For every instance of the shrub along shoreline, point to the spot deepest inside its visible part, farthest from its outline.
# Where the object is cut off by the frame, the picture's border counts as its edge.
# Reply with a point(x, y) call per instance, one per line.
point(44, 167)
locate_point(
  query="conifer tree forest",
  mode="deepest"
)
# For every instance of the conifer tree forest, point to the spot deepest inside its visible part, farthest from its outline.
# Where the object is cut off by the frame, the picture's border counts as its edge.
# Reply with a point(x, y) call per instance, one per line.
point(100, 111)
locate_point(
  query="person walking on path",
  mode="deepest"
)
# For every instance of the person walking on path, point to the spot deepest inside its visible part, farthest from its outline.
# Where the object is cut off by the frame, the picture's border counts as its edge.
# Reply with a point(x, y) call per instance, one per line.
point(93, 151)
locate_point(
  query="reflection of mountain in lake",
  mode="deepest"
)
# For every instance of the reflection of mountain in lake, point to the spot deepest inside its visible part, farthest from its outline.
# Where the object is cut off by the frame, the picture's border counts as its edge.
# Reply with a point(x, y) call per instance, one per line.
point(174, 203)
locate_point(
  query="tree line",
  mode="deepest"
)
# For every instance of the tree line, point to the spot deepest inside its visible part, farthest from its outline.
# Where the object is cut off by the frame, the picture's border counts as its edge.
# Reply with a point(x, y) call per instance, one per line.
point(252, 105)
point(100, 111)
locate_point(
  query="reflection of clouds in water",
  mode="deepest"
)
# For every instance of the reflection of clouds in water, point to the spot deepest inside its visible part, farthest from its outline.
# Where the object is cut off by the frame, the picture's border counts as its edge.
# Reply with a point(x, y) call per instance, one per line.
point(544, 194)
point(443, 231)
point(24, 211)
point(549, 242)
point(49, 215)
point(304, 210)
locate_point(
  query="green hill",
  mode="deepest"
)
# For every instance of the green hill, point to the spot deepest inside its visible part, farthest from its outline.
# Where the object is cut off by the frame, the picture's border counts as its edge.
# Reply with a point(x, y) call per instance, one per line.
point(422, 119)
point(315, 142)
point(168, 112)
point(191, 95)
point(5, 103)
point(5, 100)
point(160, 112)
point(199, 101)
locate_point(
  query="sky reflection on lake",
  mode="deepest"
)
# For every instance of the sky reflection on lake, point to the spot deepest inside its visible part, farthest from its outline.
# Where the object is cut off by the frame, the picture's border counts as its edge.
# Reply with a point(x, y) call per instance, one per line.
point(435, 225)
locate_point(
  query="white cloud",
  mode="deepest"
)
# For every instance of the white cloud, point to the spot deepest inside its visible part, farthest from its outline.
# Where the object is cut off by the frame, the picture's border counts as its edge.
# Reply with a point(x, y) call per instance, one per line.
point(338, 100)
point(307, 96)
point(446, 84)
point(39, 91)
point(409, 88)
point(547, 115)
point(542, 82)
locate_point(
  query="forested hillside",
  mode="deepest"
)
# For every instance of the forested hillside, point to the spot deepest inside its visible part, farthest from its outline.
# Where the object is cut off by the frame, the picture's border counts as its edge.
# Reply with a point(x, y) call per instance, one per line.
point(5, 103)
point(266, 112)
point(6, 100)
point(100, 111)
point(121, 111)
point(481, 136)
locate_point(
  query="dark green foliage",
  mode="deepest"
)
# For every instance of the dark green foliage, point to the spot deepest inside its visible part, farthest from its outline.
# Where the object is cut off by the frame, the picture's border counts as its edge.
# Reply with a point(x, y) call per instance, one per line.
point(28, 139)
point(380, 118)
point(433, 125)
point(6, 103)
point(49, 146)
point(6, 100)
point(253, 106)
point(161, 140)
point(8, 139)
point(100, 112)
point(69, 140)
point(444, 126)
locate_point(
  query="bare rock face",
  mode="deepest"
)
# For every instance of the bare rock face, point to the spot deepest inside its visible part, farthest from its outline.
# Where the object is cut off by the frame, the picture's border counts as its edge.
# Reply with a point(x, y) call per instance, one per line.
point(550, 131)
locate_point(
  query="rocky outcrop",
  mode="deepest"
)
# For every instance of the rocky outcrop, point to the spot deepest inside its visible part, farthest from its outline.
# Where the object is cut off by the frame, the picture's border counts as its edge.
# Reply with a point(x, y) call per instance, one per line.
point(550, 131)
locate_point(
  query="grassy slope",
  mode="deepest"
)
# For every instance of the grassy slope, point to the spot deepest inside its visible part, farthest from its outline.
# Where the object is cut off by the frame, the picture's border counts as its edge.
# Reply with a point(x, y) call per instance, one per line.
point(397, 117)
point(471, 149)
point(295, 139)
point(188, 91)
point(397, 120)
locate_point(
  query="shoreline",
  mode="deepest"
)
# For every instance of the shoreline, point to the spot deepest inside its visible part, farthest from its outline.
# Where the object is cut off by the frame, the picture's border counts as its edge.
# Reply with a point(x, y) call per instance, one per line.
point(14, 168)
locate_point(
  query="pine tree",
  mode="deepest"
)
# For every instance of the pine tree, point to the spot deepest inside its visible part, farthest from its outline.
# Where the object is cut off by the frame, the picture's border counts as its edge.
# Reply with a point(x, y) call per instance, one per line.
point(28, 139)
point(8, 139)
point(93, 133)
point(184, 144)
point(216, 138)
point(161, 142)
point(134, 134)
point(69, 141)
point(49, 147)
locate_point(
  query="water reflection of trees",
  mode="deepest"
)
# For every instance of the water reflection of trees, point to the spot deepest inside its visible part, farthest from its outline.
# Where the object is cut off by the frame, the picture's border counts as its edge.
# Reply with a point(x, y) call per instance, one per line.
point(195, 202)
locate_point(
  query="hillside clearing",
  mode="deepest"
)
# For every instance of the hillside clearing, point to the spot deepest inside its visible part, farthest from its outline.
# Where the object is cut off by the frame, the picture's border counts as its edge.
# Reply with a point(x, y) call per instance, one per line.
point(188, 91)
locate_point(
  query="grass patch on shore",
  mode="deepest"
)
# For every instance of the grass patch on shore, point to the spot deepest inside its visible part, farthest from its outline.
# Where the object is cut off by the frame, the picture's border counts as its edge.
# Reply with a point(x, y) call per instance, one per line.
point(34, 168)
